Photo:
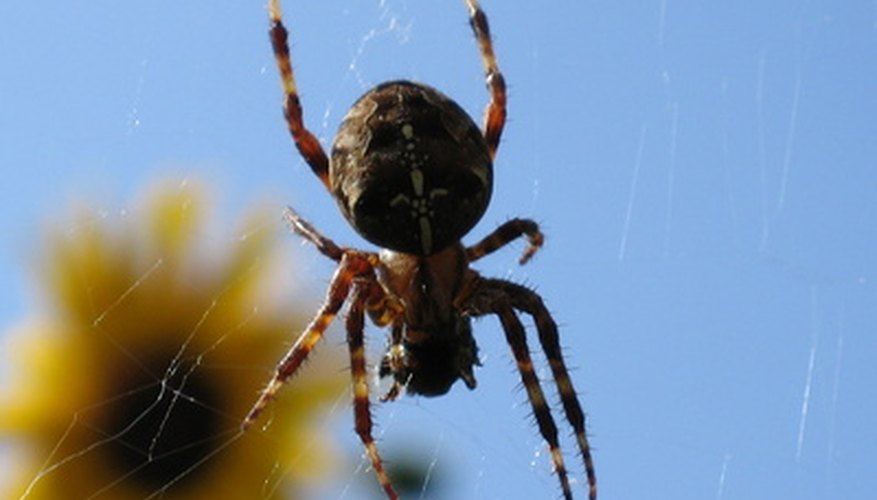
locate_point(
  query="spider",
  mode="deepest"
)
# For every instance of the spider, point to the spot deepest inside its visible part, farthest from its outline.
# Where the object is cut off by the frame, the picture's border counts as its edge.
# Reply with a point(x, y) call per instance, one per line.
point(412, 173)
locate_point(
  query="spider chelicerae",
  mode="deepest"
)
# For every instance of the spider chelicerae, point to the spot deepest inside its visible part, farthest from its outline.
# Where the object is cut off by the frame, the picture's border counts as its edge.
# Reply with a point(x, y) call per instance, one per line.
point(412, 173)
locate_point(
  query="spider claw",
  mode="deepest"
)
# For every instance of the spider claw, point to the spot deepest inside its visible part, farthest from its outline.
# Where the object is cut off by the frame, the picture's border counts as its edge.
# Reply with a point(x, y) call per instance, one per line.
point(528, 254)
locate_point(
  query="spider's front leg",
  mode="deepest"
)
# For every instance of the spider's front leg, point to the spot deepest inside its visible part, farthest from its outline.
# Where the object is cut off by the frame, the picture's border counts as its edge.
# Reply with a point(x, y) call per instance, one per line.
point(517, 340)
point(530, 302)
point(352, 264)
point(361, 412)
point(503, 298)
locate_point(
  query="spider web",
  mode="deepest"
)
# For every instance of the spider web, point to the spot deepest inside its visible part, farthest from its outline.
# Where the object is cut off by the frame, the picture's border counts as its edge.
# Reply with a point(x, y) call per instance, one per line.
point(704, 178)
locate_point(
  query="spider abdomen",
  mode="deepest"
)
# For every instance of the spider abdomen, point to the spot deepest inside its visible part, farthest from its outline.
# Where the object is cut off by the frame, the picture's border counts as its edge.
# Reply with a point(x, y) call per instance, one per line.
point(410, 169)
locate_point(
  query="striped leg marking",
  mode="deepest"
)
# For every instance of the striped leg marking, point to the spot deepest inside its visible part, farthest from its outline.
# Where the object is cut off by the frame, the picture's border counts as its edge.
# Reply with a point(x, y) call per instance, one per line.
point(361, 412)
point(495, 114)
point(505, 234)
point(352, 265)
point(305, 141)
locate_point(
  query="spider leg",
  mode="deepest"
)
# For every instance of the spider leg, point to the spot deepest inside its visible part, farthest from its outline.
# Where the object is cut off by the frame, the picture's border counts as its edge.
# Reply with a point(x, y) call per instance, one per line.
point(529, 302)
point(517, 340)
point(304, 228)
point(495, 114)
point(361, 411)
point(353, 264)
point(505, 234)
point(305, 141)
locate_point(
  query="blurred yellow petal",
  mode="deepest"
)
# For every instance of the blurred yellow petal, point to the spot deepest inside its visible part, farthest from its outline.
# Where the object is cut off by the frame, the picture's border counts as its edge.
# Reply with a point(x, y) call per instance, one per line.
point(157, 340)
point(174, 217)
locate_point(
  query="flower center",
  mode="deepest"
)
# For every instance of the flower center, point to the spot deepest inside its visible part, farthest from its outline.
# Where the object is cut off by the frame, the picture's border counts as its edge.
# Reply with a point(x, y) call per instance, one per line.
point(164, 432)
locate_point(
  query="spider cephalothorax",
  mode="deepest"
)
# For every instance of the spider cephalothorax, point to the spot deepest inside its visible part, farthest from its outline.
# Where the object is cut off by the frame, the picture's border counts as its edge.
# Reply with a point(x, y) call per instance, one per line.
point(434, 347)
point(413, 174)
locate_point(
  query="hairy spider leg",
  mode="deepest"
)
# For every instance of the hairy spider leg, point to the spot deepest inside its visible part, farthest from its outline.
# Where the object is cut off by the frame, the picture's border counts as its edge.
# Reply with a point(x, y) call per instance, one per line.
point(529, 302)
point(361, 412)
point(304, 229)
point(305, 141)
point(495, 113)
point(353, 264)
point(517, 340)
point(505, 234)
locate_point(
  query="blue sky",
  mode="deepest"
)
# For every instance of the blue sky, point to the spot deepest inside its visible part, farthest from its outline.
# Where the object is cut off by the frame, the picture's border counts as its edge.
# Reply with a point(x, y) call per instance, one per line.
point(705, 175)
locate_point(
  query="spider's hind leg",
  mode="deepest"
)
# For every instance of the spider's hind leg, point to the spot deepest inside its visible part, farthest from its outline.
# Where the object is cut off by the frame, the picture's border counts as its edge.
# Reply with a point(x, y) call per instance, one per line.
point(308, 145)
point(495, 114)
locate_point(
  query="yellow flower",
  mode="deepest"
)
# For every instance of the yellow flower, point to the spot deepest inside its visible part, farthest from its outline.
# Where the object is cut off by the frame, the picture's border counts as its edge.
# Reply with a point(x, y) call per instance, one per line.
point(156, 342)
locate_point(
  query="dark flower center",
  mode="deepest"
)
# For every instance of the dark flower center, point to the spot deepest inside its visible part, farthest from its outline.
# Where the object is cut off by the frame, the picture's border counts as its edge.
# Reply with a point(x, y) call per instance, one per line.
point(164, 431)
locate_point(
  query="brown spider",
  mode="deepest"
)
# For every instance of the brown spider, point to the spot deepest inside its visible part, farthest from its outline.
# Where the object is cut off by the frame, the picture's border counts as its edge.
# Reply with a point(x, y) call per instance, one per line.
point(412, 173)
